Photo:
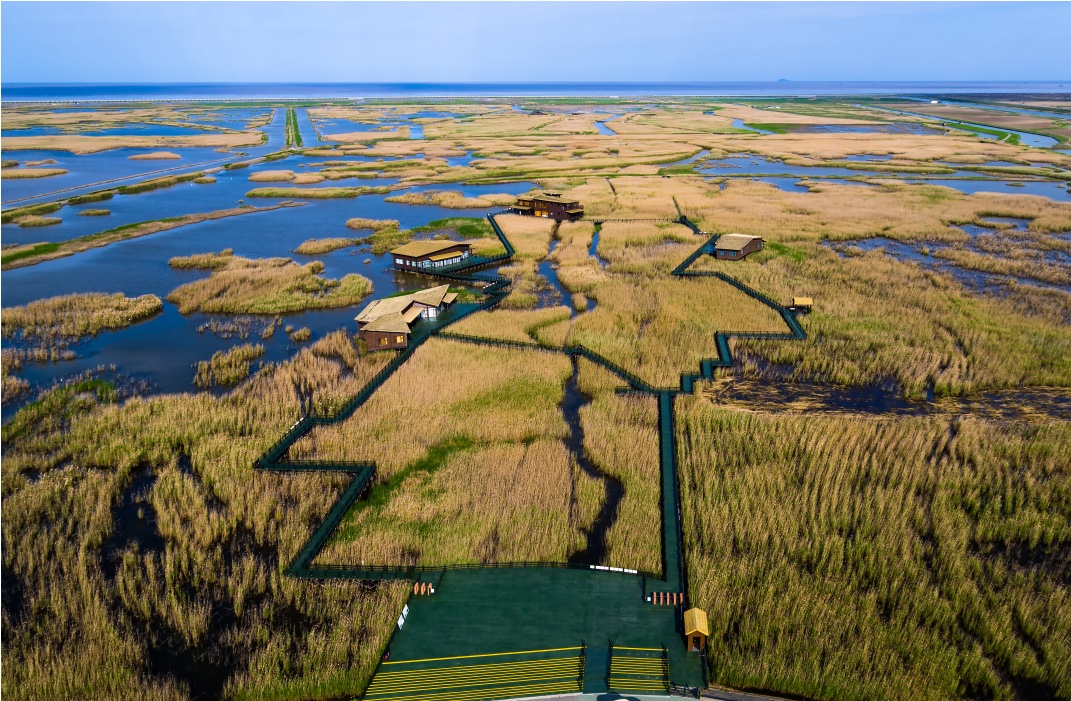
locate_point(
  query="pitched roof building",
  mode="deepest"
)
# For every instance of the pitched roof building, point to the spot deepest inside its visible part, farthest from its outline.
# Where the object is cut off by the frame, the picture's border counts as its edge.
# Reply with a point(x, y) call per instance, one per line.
point(429, 255)
point(386, 323)
point(736, 246)
point(551, 205)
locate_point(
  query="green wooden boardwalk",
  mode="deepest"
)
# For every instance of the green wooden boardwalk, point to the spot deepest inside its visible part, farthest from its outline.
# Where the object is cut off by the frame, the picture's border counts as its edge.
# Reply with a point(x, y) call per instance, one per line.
point(529, 629)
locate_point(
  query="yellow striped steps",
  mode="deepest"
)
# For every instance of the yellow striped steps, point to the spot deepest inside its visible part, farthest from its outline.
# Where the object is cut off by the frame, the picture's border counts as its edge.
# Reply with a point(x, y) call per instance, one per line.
point(480, 677)
point(638, 669)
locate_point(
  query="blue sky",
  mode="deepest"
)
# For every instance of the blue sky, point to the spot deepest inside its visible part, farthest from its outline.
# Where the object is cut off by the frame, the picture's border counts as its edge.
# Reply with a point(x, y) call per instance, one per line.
point(490, 41)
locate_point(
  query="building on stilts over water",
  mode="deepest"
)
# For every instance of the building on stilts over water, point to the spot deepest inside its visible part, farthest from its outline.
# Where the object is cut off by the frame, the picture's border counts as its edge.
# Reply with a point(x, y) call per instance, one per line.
point(386, 324)
point(550, 205)
point(429, 256)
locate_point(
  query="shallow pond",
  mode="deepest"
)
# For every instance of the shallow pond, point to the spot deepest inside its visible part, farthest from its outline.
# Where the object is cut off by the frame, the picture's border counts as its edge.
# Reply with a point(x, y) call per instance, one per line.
point(756, 165)
point(1052, 190)
point(97, 171)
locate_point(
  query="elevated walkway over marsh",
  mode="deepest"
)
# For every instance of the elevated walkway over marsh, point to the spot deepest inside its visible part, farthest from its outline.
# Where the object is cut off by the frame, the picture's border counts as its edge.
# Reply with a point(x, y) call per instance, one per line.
point(528, 629)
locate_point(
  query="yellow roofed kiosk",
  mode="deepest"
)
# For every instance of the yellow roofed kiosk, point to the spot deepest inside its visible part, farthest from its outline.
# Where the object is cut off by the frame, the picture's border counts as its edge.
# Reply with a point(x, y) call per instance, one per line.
point(696, 629)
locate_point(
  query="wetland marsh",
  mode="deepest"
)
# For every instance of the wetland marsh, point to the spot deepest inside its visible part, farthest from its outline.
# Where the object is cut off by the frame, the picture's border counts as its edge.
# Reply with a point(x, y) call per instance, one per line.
point(147, 369)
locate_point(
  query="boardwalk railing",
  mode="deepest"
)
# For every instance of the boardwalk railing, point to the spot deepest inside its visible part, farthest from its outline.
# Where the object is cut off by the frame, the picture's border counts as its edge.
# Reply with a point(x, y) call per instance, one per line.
point(495, 288)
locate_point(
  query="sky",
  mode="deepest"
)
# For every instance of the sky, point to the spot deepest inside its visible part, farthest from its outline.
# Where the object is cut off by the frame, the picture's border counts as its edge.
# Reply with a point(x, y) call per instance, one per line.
point(322, 42)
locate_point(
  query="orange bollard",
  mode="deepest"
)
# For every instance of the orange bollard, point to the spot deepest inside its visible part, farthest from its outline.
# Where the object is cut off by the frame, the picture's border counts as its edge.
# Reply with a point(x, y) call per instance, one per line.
point(416, 588)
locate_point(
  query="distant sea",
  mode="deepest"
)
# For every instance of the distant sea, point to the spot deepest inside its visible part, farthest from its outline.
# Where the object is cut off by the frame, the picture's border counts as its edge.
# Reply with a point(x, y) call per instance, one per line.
point(263, 91)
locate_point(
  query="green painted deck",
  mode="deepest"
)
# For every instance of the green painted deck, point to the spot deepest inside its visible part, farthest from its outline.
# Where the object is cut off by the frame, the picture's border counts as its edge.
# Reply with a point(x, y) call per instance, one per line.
point(483, 611)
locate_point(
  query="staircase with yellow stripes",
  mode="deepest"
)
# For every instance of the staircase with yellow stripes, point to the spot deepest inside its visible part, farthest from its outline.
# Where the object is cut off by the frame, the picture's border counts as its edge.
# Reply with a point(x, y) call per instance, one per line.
point(479, 677)
point(638, 669)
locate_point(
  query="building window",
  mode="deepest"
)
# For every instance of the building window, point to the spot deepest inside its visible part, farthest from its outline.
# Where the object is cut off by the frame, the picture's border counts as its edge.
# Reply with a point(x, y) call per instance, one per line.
point(399, 339)
point(399, 261)
point(383, 340)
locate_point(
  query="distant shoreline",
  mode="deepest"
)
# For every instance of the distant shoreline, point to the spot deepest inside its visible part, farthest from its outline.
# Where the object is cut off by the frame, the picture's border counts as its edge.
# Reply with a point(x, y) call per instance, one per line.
point(208, 92)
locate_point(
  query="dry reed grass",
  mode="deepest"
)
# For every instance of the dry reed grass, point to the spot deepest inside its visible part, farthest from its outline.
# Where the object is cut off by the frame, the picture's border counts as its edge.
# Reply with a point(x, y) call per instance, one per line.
point(217, 590)
point(272, 176)
point(29, 173)
point(75, 316)
point(451, 199)
point(496, 415)
point(621, 439)
point(942, 544)
point(510, 325)
point(155, 156)
point(313, 247)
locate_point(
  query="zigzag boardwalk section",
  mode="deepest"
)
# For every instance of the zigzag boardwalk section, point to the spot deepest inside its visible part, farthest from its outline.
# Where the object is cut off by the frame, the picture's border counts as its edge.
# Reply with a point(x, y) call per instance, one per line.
point(506, 630)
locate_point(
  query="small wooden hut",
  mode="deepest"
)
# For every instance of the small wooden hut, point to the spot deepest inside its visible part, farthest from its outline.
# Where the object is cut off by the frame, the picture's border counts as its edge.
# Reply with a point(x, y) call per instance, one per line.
point(736, 246)
point(696, 629)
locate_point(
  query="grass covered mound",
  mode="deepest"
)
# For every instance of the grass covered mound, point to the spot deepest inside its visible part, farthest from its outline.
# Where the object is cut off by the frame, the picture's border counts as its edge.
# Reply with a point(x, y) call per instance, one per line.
point(227, 367)
point(32, 221)
point(77, 315)
point(844, 557)
point(25, 173)
point(315, 246)
point(268, 286)
point(202, 261)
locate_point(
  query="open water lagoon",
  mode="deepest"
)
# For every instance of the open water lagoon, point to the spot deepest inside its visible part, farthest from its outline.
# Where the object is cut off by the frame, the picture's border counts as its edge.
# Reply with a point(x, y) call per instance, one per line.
point(161, 353)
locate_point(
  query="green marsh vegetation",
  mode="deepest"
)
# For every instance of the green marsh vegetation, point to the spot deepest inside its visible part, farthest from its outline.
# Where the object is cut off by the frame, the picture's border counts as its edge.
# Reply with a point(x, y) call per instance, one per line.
point(92, 197)
point(227, 367)
point(848, 557)
point(13, 215)
point(94, 212)
point(265, 286)
point(157, 183)
point(208, 610)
